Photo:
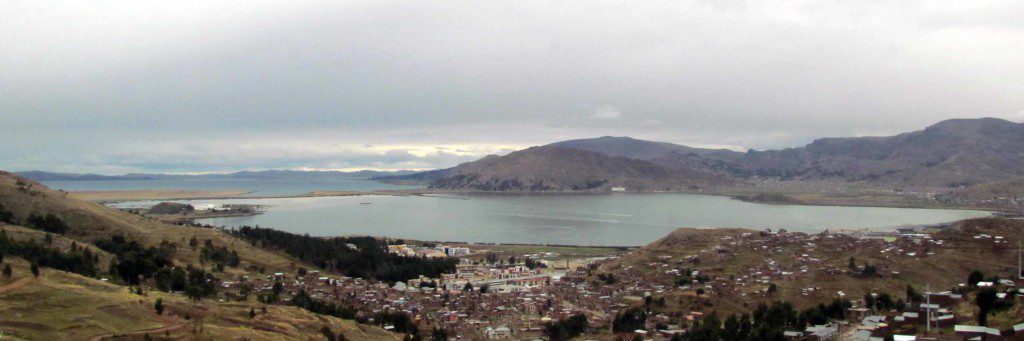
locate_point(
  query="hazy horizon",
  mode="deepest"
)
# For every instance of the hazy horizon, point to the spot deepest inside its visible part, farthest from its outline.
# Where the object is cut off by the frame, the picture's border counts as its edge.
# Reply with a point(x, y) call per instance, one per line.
point(197, 87)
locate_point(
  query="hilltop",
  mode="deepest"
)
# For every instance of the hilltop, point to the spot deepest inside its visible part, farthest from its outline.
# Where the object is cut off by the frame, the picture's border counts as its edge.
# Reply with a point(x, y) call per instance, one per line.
point(554, 168)
point(88, 221)
point(947, 155)
point(101, 272)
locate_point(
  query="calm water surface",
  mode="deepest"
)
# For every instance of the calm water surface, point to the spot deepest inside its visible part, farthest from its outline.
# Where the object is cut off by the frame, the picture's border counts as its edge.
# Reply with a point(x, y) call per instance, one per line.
point(608, 219)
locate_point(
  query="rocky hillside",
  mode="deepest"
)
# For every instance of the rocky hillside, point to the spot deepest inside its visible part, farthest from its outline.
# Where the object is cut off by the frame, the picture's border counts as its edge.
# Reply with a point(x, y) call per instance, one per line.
point(950, 154)
point(553, 168)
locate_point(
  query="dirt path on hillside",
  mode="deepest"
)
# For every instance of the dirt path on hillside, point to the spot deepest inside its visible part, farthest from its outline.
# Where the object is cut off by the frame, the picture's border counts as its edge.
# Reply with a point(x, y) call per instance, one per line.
point(140, 332)
point(16, 284)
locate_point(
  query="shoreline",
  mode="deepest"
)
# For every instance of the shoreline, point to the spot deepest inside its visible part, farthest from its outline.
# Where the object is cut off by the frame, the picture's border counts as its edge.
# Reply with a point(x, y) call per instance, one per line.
point(766, 197)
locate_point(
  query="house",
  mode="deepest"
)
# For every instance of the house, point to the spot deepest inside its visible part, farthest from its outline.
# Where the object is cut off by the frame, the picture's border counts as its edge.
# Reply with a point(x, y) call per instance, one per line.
point(499, 333)
point(793, 335)
point(861, 335)
point(856, 314)
point(873, 321)
point(822, 332)
point(970, 332)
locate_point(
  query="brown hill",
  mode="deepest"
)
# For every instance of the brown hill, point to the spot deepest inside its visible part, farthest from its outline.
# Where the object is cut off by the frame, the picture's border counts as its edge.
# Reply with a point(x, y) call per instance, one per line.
point(60, 305)
point(807, 269)
point(552, 168)
point(88, 222)
point(950, 154)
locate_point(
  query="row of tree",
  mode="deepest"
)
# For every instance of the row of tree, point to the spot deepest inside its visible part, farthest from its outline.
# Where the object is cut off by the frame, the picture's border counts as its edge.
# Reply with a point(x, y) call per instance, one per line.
point(77, 259)
point(363, 257)
point(767, 322)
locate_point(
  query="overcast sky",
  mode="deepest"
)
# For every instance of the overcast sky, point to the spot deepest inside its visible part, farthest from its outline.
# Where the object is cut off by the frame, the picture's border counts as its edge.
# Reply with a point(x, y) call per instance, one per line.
point(178, 86)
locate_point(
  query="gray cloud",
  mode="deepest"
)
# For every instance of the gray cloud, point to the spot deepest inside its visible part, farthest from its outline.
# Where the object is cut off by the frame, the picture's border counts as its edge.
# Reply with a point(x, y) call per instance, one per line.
point(198, 86)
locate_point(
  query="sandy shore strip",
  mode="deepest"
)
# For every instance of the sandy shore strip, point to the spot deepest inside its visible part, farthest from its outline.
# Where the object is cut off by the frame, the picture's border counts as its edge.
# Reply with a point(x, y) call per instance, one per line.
point(110, 196)
point(139, 195)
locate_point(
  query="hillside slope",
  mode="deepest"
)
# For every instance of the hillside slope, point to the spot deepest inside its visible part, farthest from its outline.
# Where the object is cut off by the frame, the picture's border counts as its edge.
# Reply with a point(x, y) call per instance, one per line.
point(59, 305)
point(739, 265)
point(638, 149)
point(88, 222)
point(551, 168)
point(949, 154)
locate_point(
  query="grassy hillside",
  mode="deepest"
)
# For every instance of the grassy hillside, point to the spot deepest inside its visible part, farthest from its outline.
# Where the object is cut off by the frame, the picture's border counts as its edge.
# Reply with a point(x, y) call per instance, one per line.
point(63, 306)
point(818, 265)
point(88, 222)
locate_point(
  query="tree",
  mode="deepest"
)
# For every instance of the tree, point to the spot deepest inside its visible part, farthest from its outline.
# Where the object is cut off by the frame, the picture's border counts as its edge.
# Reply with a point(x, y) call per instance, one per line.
point(6, 216)
point(913, 295)
point(302, 272)
point(252, 312)
point(47, 223)
point(7, 270)
point(869, 301)
point(885, 301)
point(853, 264)
point(566, 329)
point(200, 284)
point(159, 306)
point(988, 301)
point(328, 333)
point(484, 288)
point(772, 289)
point(35, 269)
point(869, 271)
point(731, 329)
point(710, 328)
point(975, 277)
point(630, 320)
point(439, 334)
point(244, 290)
point(467, 287)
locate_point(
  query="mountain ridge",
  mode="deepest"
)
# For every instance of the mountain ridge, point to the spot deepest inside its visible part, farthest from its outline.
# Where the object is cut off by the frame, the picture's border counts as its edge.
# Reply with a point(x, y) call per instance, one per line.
point(946, 155)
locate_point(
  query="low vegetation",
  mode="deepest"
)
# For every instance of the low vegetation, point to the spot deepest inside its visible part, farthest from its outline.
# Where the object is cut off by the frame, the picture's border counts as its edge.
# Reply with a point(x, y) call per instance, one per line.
point(363, 257)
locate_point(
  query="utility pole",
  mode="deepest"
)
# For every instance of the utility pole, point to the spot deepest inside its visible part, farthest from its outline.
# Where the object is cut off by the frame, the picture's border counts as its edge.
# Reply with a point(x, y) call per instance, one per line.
point(928, 308)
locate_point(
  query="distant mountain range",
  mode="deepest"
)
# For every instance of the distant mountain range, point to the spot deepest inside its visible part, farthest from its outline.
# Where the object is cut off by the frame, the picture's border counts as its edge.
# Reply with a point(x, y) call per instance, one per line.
point(266, 175)
point(950, 154)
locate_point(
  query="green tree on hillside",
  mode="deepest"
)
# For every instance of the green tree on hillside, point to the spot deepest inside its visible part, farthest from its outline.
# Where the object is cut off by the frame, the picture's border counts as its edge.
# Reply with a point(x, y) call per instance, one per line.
point(975, 277)
point(632, 319)
point(48, 223)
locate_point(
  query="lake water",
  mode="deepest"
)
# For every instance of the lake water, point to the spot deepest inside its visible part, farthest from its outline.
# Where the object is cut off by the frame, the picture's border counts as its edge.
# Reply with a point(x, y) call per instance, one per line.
point(598, 219)
point(258, 187)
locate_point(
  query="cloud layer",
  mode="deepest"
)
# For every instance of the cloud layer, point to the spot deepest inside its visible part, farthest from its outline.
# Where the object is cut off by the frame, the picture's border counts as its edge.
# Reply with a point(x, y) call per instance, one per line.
point(123, 86)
